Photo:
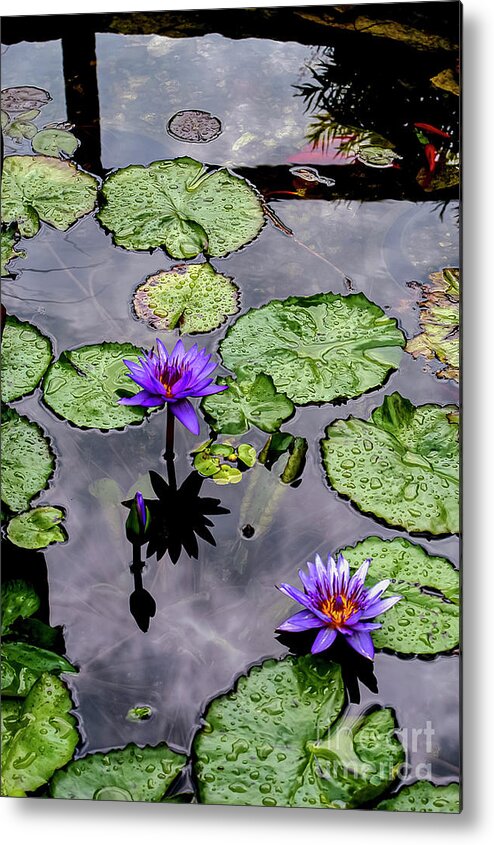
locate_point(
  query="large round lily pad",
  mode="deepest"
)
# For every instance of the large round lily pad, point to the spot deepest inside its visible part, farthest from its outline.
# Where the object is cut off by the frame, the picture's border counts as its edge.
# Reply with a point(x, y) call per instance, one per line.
point(424, 797)
point(41, 739)
point(26, 354)
point(27, 460)
point(37, 528)
point(273, 741)
point(426, 620)
point(129, 774)
point(81, 386)
point(192, 298)
point(402, 465)
point(39, 188)
point(247, 402)
point(181, 206)
point(316, 348)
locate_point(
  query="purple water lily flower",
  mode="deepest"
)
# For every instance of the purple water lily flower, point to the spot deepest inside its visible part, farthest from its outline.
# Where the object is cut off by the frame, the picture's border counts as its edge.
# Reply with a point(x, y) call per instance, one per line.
point(172, 377)
point(338, 604)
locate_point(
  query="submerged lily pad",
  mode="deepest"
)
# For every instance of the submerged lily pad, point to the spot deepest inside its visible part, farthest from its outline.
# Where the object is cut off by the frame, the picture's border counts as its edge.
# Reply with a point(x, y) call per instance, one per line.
point(181, 206)
point(52, 142)
point(193, 298)
point(273, 741)
point(9, 237)
point(400, 465)
point(194, 126)
point(27, 460)
point(38, 188)
point(82, 386)
point(37, 528)
point(424, 797)
point(426, 619)
point(440, 323)
point(42, 739)
point(129, 774)
point(24, 98)
point(26, 354)
point(18, 601)
point(316, 348)
point(23, 664)
point(248, 401)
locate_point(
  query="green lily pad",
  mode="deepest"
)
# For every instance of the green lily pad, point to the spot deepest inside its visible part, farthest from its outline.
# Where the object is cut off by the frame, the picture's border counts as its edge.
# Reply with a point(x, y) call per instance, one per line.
point(192, 298)
point(37, 528)
point(227, 475)
point(424, 797)
point(27, 460)
point(26, 354)
point(440, 323)
point(9, 237)
point(130, 774)
point(43, 739)
point(52, 142)
point(18, 601)
point(248, 401)
point(273, 741)
point(247, 454)
point(208, 461)
point(10, 712)
point(181, 206)
point(38, 188)
point(25, 663)
point(82, 386)
point(400, 465)
point(316, 348)
point(426, 620)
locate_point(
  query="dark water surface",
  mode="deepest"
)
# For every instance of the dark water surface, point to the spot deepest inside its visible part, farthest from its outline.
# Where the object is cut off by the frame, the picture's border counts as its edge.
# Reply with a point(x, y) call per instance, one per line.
point(216, 616)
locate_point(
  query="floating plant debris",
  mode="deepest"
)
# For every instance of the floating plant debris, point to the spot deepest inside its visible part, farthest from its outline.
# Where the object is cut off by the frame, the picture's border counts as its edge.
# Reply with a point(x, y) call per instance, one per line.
point(194, 126)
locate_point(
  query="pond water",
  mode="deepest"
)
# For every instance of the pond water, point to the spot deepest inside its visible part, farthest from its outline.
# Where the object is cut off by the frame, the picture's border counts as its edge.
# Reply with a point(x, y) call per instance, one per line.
point(374, 231)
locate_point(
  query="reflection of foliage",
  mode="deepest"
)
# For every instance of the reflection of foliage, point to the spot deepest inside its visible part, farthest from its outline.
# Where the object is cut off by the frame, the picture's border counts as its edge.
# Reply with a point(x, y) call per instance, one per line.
point(439, 320)
point(179, 516)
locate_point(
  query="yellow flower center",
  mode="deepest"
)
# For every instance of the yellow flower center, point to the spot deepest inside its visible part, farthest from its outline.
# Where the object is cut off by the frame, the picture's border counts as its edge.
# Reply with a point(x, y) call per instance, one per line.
point(338, 608)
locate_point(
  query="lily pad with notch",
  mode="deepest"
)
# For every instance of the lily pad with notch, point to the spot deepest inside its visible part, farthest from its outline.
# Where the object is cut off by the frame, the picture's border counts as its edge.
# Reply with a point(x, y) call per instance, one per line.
point(249, 400)
point(26, 355)
point(316, 348)
point(23, 664)
point(182, 206)
point(84, 386)
point(40, 188)
point(401, 465)
point(190, 297)
point(426, 619)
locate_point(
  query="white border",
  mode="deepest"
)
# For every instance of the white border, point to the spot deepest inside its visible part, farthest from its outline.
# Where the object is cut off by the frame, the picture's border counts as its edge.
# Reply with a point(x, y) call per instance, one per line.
point(74, 823)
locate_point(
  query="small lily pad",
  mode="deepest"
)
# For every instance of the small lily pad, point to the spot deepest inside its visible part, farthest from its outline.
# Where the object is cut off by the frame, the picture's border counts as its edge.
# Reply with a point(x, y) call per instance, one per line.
point(193, 298)
point(52, 142)
point(194, 126)
point(424, 797)
point(129, 774)
point(42, 739)
point(247, 454)
point(37, 528)
point(23, 98)
point(275, 740)
point(426, 620)
point(82, 386)
point(21, 129)
point(27, 460)
point(26, 354)
point(402, 465)
point(9, 237)
point(181, 206)
point(18, 601)
point(373, 156)
point(26, 663)
point(247, 402)
point(316, 348)
point(38, 188)
point(440, 323)
point(208, 461)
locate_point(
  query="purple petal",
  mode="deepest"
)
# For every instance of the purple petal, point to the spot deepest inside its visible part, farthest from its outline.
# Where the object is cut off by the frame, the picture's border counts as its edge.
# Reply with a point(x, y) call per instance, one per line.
point(301, 621)
point(178, 352)
point(343, 574)
point(380, 606)
point(366, 626)
point(323, 640)
point(162, 350)
point(184, 412)
point(377, 590)
point(143, 398)
point(296, 595)
point(213, 388)
point(361, 641)
point(357, 580)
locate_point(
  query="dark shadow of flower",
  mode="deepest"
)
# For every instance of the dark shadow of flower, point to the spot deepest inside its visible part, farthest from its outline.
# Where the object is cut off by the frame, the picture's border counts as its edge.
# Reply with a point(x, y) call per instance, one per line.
point(141, 603)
